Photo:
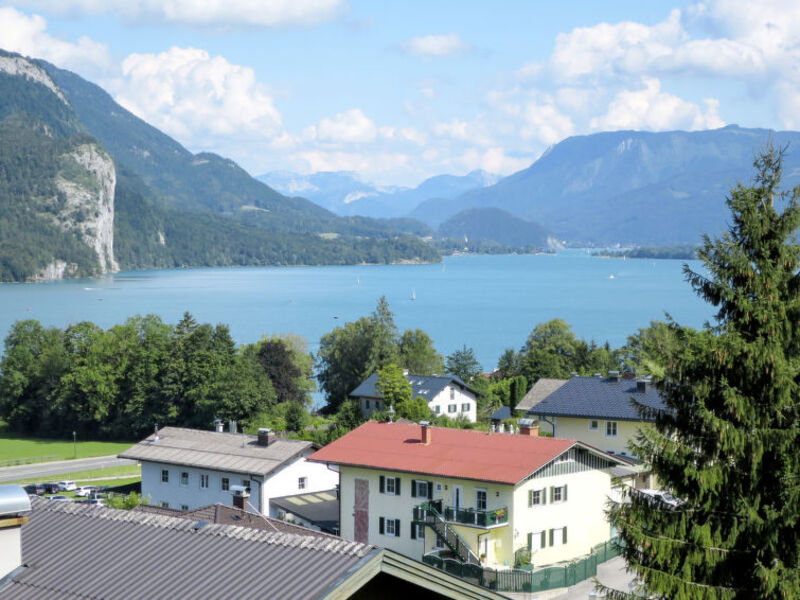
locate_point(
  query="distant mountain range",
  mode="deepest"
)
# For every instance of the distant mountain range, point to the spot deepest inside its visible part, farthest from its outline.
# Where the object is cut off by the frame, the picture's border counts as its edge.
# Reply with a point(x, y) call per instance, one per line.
point(87, 188)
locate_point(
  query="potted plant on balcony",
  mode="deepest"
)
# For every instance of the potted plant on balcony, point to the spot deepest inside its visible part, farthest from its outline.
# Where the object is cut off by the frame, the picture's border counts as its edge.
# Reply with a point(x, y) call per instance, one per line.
point(483, 558)
point(499, 515)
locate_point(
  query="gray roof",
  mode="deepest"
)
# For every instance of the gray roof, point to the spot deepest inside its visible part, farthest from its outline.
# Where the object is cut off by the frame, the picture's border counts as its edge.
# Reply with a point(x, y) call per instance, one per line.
point(501, 414)
point(320, 508)
point(540, 390)
point(237, 453)
point(83, 551)
point(427, 386)
point(601, 398)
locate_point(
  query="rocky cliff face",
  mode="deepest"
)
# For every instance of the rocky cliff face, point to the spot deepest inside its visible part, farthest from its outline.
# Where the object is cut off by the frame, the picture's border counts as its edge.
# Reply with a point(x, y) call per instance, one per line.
point(17, 65)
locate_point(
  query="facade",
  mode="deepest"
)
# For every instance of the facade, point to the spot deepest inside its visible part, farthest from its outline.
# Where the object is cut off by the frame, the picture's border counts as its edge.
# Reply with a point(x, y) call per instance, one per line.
point(446, 395)
point(601, 411)
point(418, 489)
point(186, 469)
point(69, 550)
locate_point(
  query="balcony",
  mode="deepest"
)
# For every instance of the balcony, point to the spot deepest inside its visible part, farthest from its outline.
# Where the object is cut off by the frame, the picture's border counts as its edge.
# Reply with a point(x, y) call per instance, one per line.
point(470, 517)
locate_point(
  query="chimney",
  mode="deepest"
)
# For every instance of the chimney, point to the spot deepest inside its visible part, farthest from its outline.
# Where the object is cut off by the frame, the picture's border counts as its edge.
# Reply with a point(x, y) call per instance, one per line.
point(14, 504)
point(265, 436)
point(573, 374)
point(613, 376)
point(597, 375)
point(529, 427)
point(232, 426)
point(240, 496)
point(642, 384)
point(426, 433)
point(218, 426)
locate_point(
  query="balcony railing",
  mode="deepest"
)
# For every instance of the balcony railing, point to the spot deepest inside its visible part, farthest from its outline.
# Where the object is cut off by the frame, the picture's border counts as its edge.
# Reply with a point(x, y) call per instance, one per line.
point(469, 516)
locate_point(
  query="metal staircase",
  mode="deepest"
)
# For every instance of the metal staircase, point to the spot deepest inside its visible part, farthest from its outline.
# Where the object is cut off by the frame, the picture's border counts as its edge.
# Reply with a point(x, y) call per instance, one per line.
point(428, 515)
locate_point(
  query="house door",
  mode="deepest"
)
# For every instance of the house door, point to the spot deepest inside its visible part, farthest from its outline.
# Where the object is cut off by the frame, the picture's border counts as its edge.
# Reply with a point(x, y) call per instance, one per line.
point(361, 511)
point(458, 496)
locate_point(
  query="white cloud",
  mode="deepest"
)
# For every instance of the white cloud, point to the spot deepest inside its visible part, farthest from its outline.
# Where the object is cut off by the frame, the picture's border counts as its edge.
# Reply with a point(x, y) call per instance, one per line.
point(369, 165)
point(26, 35)
point(650, 108)
point(196, 97)
point(350, 126)
point(214, 13)
point(545, 123)
point(473, 132)
point(493, 160)
point(436, 45)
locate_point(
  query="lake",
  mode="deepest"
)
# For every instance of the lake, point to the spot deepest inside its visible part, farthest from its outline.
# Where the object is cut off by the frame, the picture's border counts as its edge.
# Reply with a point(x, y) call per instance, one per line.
point(487, 302)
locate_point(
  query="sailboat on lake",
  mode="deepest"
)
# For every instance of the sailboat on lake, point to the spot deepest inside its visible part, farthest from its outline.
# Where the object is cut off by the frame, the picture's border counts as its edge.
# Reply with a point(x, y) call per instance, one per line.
point(413, 295)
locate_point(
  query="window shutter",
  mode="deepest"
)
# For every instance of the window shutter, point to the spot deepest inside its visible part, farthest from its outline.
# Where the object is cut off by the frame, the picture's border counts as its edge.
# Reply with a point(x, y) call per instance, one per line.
point(382, 486)
point(551, 492)
point(380, 523)
point(564, 538)
point(530, 541)
point(543, 542)
point(552, 534)
point(430, 490)
point(397, 529)
point(544, 495)
point(413, 531)
point(413, 488)
point(565, 494)
point(397, 486)
point(530, 499)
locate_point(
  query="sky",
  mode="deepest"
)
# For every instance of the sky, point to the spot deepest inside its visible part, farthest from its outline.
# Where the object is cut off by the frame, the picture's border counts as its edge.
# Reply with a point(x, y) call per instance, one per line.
point(396, 92)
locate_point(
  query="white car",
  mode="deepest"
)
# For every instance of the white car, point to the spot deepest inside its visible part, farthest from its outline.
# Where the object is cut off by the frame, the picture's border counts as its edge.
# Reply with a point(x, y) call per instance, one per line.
point(83, 491)
point(59, 499)
point(67, 486)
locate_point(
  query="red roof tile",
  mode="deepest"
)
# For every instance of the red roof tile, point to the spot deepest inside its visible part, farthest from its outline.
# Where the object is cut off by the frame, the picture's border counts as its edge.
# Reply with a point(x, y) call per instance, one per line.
point(460, 453)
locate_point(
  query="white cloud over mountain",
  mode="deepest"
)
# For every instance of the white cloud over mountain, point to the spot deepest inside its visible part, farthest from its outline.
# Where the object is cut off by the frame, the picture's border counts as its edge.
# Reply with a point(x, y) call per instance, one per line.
point(440, 45)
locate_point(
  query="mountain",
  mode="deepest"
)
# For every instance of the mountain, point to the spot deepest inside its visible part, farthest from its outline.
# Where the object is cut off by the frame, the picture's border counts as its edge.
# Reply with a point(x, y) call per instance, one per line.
point(494, 225)
point(343, 193)
point(88, 188)
point(629, 187)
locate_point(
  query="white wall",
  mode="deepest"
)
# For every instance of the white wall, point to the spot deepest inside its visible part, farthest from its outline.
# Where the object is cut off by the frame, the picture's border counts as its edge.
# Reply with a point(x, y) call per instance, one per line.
point(283, 482)
point(10, 549)
point(453, 394)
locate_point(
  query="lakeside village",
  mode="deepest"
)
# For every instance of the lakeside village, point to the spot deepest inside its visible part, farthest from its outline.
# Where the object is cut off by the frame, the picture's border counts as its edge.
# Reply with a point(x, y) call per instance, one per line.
point(683, 459)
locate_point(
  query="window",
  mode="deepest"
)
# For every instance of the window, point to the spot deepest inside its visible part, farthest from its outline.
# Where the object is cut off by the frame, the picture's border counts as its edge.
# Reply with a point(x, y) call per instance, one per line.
point(537, 540)
point(164, 476)
point(184, 478)
point(611, 429)
point(389, 485)
point(465, 407)
point(480, 499)
point(366, 404)
point(558, 494)
point(537, 497)
point(203, 481)
point(226, 484)
point(246, 483)
point(451, 408)
point(438, 542)
point(558, 537)
point(421, 489)
point(437, 409)
point(566, 456)
point(302, 482)
point(164, 504)
point(417, 531)
point(452, 393)
point(184, 507)
point(594, 425)
point(390, 527)
point(377, 404)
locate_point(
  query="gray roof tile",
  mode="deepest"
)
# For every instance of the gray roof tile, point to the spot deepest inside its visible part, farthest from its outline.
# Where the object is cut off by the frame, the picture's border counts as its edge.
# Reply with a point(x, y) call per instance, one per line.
point(426, 386)
point(540, 390)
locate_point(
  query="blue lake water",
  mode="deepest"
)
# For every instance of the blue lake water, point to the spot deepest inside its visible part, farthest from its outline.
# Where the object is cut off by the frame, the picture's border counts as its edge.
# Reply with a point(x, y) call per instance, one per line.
point(487, 302)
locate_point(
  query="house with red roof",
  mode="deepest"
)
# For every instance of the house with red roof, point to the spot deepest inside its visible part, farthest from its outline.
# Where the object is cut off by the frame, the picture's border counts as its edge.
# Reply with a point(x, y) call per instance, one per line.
point(476, 496)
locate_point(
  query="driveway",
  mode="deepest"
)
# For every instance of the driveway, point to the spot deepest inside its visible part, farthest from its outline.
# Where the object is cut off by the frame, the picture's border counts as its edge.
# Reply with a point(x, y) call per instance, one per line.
point(43, 471)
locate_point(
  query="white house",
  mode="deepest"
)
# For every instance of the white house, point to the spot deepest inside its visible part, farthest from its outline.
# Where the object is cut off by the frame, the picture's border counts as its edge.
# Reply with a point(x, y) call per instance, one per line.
point(446, 395)
point(189, 468)
point(418, 489)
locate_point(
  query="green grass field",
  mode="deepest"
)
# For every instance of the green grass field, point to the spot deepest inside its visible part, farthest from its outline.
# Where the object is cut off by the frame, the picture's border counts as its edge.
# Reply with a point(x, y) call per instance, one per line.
point(120, 475)
point(13, 445)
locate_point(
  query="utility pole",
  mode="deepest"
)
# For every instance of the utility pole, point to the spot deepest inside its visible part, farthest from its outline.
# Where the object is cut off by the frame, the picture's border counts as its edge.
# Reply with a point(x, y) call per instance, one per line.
point(74, 445)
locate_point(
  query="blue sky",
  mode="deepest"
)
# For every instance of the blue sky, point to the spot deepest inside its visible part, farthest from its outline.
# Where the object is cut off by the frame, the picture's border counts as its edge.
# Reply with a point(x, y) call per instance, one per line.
point(399, 91)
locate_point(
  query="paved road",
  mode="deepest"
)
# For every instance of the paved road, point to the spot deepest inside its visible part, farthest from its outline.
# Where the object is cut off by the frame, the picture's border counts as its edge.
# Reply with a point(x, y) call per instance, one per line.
point(44, 471)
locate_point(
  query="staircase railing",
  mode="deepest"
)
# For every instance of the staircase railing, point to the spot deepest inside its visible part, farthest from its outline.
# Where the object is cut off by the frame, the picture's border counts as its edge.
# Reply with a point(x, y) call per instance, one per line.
point(428, 515)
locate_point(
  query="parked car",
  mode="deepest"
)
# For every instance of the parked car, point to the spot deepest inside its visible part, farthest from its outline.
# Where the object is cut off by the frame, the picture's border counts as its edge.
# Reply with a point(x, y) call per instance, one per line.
point(96, 502)
point(35, 489)
point(59, 499)
point(50, 488)
point(84, 491)
point(67, 486)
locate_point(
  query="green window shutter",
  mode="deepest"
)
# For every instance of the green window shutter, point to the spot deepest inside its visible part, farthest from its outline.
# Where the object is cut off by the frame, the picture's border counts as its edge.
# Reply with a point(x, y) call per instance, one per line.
point(382, 485)
point(551, 492)
point(380, 525)
point(543, 540)
point(413, 488)
point(530, 541)
point(564, 540)
point(413, 531)
point(397, 529)
point(544, 495)
point(430, 490)
point(565, 494)
point(552, 532)
point(530, 500)
point(396, 486)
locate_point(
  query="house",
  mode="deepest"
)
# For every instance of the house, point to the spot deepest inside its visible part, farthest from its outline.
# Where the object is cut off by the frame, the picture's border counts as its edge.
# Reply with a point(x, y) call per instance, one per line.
point(318, 510)
point(445, 394)
point(418, 489)
point(190, 468)
point(79, 551)
point(601, 411)
point(540, 390)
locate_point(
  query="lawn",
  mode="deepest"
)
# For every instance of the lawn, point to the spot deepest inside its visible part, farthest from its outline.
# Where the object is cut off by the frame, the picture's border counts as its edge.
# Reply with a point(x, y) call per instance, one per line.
point(14, 445)
point(125, 473)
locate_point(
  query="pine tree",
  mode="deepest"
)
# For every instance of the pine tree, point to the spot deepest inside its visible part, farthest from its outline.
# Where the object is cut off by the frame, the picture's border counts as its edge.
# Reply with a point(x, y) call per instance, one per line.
point(728, 444)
